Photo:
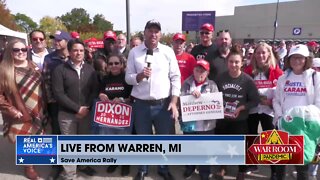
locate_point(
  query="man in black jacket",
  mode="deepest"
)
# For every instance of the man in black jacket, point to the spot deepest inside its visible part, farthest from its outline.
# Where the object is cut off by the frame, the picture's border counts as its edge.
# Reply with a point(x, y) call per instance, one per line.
point(74, 86)
point(51, 61)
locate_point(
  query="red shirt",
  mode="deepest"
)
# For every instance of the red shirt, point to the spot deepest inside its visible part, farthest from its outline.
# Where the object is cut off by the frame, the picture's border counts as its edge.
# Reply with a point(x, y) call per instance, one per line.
point(186, 64)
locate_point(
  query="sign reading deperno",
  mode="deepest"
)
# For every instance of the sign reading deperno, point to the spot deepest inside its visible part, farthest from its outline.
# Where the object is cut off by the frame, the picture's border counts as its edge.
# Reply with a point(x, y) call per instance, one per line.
point(208, 106)
point(112, 114)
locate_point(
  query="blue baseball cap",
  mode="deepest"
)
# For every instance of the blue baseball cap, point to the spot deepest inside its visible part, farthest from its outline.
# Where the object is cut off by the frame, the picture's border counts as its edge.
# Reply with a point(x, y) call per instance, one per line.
point(60, 35)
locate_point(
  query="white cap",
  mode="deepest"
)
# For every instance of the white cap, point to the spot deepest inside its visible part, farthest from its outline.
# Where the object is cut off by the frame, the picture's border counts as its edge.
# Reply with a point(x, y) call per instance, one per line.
point(300, 49)
point(316, 62)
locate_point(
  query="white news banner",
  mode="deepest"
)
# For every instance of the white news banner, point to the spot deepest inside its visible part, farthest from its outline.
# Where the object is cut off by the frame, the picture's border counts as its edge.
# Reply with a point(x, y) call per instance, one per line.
point(131, 150)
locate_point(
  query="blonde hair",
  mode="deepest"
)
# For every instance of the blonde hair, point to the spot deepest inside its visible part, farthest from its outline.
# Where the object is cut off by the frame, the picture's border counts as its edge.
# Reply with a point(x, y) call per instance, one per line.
point(7, 75)
point(271, 61)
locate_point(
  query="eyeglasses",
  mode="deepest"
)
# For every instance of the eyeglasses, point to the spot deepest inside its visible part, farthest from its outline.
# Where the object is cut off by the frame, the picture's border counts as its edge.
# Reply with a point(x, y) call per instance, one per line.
point(206, 33)
point(37, 39)
point(113, 63)
point(221, 31)
point(18, 50)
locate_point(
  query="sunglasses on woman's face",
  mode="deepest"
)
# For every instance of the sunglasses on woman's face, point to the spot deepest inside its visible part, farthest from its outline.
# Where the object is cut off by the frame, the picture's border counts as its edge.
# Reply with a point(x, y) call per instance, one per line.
point(18, 50)
point(113, 63)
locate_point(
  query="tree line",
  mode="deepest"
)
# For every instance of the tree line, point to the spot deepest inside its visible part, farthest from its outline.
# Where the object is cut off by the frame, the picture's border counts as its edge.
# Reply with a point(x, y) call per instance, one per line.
point(78, 19)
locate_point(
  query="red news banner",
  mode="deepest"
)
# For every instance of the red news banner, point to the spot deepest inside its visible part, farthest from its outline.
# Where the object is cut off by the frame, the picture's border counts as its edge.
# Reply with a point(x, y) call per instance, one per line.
point(113, 114)
point(274, 147)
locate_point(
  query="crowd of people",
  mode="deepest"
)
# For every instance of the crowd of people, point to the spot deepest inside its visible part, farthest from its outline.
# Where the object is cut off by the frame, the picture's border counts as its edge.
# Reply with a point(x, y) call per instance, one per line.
point(44, 91)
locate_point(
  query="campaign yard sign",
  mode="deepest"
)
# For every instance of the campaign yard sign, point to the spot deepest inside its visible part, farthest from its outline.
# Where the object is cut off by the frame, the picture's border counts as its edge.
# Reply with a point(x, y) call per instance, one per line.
point(112, 114)
point(207, 106)
point(96, 44)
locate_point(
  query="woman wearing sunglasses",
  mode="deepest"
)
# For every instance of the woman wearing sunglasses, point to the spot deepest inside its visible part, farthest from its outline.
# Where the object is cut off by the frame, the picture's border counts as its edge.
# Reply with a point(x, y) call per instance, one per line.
point(21, 101)
point(114, 88)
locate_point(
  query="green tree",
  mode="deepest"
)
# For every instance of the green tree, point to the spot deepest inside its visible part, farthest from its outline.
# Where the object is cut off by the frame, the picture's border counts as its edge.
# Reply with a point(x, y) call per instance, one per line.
point(101, 24)
point(167, 38)
point(25, 23)
point(49, 25)
point(6, 19)
point(76, 19)
point(87, 35)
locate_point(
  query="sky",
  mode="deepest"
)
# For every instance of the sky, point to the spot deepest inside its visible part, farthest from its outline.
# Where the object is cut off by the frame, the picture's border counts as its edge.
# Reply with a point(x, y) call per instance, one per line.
point(167, 12)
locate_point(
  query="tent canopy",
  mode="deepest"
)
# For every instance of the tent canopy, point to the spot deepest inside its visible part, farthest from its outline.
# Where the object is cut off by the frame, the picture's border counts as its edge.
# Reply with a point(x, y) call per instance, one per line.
point(4, 31)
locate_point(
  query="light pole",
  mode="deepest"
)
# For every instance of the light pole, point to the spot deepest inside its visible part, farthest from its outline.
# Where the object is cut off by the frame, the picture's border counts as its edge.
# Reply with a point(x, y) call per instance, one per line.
point(128, 20)
point(275, 25)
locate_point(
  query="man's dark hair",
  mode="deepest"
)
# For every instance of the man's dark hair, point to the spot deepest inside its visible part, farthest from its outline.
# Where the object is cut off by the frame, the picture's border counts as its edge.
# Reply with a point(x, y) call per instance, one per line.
point(73, 42)
point(36, 30)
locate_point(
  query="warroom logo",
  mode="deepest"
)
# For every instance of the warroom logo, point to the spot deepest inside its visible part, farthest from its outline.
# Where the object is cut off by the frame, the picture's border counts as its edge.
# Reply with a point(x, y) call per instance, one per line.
point(274, 147)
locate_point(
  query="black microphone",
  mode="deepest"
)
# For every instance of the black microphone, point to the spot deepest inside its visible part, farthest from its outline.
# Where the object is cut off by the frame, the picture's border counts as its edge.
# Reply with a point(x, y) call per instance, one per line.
point(149, 58)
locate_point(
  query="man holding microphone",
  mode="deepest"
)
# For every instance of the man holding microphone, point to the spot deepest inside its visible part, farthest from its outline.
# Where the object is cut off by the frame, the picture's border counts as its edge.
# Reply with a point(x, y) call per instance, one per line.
point(154, 73)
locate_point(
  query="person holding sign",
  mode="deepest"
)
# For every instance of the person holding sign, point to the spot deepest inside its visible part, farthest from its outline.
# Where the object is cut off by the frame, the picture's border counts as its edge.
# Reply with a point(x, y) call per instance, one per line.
point(114, 88)
point(195, 85)
point(265, 72)
point(239, 95)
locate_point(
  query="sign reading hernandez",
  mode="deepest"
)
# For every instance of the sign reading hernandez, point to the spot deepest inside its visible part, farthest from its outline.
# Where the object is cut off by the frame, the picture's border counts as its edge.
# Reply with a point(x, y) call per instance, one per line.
point(112, 114)
point(274, 147)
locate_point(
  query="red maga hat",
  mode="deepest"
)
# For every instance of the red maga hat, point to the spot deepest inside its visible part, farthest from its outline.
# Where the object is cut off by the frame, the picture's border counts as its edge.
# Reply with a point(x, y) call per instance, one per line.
point(204, 64)
point(208, 27)
point(179, 36)
point(110, 35)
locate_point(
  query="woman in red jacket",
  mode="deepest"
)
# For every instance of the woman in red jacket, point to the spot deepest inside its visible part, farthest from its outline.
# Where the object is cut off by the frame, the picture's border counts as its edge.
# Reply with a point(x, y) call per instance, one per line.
point(265, 72)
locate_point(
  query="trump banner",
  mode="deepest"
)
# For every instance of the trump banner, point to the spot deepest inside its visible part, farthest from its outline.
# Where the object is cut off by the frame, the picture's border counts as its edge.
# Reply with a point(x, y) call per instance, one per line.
point(207, 106)
point(112, 114)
